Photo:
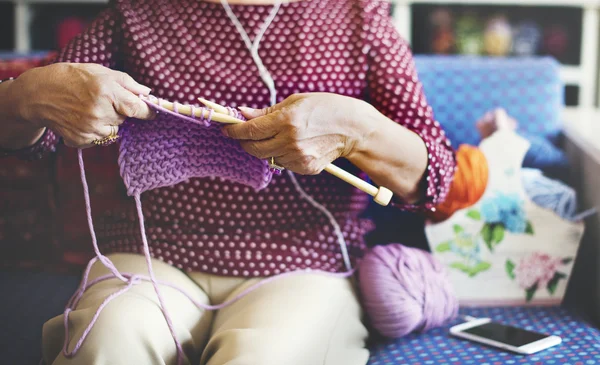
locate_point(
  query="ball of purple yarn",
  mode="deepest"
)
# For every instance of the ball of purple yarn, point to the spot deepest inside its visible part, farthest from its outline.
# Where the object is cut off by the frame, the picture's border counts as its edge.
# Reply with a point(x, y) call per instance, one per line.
point(404, 290)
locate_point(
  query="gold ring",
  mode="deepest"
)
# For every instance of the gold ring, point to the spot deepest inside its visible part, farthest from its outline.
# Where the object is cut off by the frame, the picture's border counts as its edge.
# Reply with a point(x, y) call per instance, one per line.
point(111, 138)
point(274, 166)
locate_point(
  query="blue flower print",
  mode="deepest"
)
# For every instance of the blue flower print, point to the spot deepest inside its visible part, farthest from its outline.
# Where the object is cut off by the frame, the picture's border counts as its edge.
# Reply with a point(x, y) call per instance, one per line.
point(490, 211)
point(505, 209)
point(501, 213)
point(515, 223)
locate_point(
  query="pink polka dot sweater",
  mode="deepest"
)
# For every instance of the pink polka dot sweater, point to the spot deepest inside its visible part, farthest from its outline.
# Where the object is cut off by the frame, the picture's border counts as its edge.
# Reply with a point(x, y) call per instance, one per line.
point(189, 49)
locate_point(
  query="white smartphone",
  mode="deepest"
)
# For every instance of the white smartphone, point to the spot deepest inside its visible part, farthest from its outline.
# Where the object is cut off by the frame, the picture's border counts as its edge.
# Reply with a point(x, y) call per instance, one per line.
point(510, 338)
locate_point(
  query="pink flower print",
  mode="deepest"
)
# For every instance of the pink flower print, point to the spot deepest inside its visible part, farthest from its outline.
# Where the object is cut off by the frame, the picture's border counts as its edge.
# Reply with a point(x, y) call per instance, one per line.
point(537, 268)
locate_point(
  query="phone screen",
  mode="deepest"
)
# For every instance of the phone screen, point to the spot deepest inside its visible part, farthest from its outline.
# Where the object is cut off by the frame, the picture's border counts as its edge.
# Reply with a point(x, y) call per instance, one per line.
point(509, 335)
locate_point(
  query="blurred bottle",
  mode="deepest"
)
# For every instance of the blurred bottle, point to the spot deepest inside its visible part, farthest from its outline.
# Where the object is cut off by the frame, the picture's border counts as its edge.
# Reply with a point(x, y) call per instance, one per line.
point(556, 38)
point(497, 37)
point(527, 39)
point(442, 40)
point(469, 38)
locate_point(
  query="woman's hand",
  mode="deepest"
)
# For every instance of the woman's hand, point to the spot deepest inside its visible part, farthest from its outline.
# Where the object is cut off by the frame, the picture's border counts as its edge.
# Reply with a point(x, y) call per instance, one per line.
point(79, 102)
point(305, 132)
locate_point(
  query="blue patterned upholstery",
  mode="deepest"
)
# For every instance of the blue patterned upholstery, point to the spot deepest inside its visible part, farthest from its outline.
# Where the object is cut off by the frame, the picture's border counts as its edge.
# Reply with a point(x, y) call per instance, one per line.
point(462, 89)
point(580, 346)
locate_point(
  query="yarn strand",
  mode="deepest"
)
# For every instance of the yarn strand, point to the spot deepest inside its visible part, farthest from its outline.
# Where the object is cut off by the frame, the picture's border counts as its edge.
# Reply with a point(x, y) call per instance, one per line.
point(163, 307)
point(133, 279)
point(88, 210)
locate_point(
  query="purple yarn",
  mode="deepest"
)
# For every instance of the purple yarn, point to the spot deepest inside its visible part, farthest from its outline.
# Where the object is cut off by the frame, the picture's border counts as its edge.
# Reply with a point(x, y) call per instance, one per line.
point(404, 290)
point(174, 147)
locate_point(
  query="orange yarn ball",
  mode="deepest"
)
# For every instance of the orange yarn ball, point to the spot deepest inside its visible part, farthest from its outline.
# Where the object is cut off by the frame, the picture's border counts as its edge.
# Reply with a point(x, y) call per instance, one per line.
point(468, 186)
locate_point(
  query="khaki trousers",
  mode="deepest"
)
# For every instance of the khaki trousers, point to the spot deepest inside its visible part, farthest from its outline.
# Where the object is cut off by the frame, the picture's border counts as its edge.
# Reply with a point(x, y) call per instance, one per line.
point(307, 319)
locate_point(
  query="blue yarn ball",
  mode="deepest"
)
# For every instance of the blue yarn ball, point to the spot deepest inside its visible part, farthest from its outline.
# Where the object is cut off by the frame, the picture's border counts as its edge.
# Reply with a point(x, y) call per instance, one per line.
point(543, 154)
point(550, 194)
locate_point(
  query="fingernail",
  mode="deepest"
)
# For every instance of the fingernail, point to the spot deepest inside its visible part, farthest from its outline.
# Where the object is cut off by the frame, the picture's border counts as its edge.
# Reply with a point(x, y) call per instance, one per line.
point(147, 90)
point(246, 110)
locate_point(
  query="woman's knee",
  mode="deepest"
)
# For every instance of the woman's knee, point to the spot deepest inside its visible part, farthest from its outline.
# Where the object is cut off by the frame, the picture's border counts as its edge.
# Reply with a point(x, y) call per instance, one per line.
point(130, 330)
point(280, 346)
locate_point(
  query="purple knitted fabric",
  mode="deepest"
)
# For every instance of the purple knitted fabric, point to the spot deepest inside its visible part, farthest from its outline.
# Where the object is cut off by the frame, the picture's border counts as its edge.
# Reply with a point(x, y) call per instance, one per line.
point(173, 148)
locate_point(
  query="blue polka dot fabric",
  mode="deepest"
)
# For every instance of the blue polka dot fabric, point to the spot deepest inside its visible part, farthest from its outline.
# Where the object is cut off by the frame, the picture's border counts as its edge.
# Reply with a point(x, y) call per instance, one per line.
point(462, 89)
point(580, 346)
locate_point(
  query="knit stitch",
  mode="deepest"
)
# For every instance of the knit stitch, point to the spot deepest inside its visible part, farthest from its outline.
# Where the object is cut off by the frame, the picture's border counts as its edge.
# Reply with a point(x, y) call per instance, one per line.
point(172, 148)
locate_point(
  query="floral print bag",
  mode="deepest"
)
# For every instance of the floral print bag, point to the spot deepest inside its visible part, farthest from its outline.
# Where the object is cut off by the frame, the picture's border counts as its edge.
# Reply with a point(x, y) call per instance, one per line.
point(505, 249)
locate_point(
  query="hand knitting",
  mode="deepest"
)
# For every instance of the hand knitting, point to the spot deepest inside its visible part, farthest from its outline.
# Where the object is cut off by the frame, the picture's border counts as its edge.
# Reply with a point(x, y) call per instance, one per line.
point(172, 148)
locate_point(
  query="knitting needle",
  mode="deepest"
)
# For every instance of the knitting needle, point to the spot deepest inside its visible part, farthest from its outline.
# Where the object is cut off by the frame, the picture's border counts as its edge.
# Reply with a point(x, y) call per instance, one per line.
point(187, 110)
point(381, 195)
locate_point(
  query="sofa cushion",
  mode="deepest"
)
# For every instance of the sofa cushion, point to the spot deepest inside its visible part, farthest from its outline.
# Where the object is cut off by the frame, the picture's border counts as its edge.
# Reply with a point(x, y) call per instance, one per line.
point(461, 89)
point(581, 341)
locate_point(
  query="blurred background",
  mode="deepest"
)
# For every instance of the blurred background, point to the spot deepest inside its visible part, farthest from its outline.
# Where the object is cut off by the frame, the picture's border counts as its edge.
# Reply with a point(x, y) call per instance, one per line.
point(566, 30)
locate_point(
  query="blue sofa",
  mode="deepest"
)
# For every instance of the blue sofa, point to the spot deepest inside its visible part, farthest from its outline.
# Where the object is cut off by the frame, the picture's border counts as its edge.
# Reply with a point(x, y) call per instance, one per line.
point(460, 91)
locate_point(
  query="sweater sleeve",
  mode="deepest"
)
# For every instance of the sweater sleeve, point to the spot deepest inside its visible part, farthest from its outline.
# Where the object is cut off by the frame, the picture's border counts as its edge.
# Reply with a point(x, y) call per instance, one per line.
point(395, 90)
point(99, 44)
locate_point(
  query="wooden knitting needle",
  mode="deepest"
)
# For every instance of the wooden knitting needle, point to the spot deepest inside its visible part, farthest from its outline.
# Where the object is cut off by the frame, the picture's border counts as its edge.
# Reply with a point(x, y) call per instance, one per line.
point(187, 110)
point(381, 195)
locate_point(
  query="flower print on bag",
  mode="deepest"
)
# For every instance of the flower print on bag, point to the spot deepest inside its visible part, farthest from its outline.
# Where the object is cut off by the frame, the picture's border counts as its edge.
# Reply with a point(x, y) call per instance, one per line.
point(537, 270)
point(468, 248)
point(501, 212)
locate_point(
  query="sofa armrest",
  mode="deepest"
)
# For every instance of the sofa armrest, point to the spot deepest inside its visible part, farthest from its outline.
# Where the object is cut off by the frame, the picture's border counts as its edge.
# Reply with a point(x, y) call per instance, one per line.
point(582, 144)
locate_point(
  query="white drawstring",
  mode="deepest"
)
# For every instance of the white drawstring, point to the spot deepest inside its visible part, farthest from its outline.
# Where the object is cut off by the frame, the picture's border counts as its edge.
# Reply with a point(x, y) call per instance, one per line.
point(266, 77)
point(253, 46)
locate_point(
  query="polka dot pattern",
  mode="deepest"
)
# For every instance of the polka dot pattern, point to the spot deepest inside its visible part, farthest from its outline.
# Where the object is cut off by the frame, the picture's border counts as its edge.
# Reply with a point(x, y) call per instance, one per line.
point(182, 52)
point(581, 341)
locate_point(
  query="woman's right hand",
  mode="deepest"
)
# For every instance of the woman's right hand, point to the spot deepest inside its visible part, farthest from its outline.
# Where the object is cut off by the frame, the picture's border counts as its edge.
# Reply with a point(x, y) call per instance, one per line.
point(80, 102)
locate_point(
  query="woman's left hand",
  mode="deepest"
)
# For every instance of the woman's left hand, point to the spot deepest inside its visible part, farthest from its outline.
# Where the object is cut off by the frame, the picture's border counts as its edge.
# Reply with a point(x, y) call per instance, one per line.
point(305, 132)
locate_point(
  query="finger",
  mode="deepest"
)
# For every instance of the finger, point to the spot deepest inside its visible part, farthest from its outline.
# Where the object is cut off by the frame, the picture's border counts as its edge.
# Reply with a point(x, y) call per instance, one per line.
point(83, 141)
point(273, 147)
point(287, 159)
point(292, 164)
point(106, 135)
point(130, 84)
point(107, 131)
point(130, 105)
point(302, 165)
point(250, 113)
point(254, 130)
point(115, 119)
